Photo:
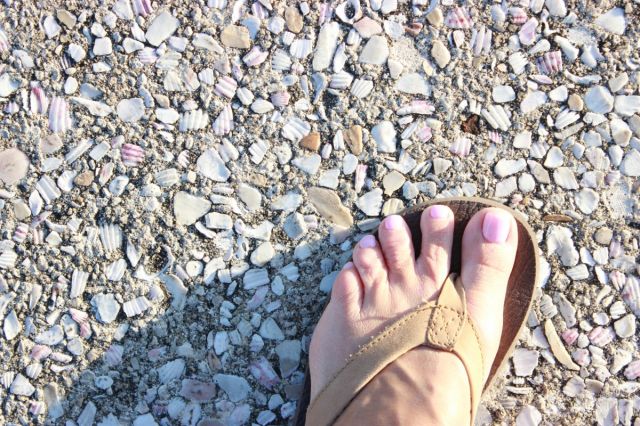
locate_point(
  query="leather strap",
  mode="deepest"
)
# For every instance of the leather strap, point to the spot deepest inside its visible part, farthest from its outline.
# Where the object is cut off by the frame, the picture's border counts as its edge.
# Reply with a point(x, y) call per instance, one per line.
point(442, 325)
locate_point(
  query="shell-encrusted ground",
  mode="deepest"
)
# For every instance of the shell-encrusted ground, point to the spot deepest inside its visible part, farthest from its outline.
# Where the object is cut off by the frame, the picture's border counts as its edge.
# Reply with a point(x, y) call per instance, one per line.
point(180, 182)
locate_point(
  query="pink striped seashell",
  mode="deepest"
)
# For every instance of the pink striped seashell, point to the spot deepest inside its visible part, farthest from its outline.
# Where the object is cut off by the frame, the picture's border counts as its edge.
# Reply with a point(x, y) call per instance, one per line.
point(631, 294)
point(618, 279)
point(132, 155)
point(226, 86)
point(21, 232)
point(458, 17)
point(461, 147)
point(518, 15)
point(11, 108)
point(78, 316)
point(264, 373)
point(280, 99)
point(581, 357)
point(113, 355)
point(416, 107)
point(424, 134)
point(359, 177)
point(85, 330)
point(39, 103)
point(142, 7)
point(147, 56)
point(632, 371)
point(255, 57)
point(59, 119)
point(223, 124)
point(550, 62)
point(40, 352)
point(527, 33)
point(325, 12)
point(570, 335)
point(495, 137)
point(36, 408)
point(601, 336)
point(4, 41)
point(259, 11)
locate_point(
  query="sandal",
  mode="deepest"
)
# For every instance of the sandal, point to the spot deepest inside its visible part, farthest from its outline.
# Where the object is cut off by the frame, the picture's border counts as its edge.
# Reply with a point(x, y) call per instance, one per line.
point(442, 325)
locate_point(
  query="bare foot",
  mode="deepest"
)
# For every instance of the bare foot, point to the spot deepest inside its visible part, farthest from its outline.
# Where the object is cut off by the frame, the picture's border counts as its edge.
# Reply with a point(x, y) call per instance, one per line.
point(385, 281)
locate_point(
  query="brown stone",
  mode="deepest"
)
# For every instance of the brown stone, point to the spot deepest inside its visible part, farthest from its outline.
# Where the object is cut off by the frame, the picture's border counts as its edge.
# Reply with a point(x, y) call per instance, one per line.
point(236, 36)
point(84, 179)
point(311, 141)
point(353, 137)
point(294, 19)
point(329, 206)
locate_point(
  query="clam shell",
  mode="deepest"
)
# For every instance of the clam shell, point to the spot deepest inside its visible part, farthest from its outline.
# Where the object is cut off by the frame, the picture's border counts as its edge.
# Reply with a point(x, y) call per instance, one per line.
point(33, 370)
point(115, 270)
point(59, 119)
point(132, 155)
point(341, 80)
point(601, 336)
point(280, 61)
point(301, 48)
point(4, 41)
point(113, 355)
point(11, 325)
point(193, 120)
point(261, 106)
point(416, 107)
point(359, 177)
point(136, 306)
point(20, 233)
point(39, 103)
point(255, 57)
point(21, 386)
point(518, 62)
point(458, 17)
point(223, 124)
point(142, 7)
point(171, 370)
point(527, 33)
point(361, 88)
point(424, 134)
point(632, 371)
point(295, 129)
point(48, 189)
point(226, 86)
point(631, 294)
point(228, 151)
point(497, 117)
point(147, 56)
point(258, 150)
point(550, 62)
point(280, 99)
point(77, 151)
point(111, 237)
point(7, 378)
point(78, 283)
point(245, 95)
point(167, 177)
point(206, 76)
point(210, 165)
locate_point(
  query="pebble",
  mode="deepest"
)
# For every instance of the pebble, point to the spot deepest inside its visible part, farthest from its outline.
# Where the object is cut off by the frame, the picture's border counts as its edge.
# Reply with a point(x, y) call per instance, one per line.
point(188, 208)
point(598, 99)
point(575, 102)
point(328, 204)
point(161, 28)
point(375, 51)
point(311, 141)
point(236, 36)
point(440, 53)
point(603, 236)
point(612, 21)
point(130, 110)
point(502, 94)
point(630, 165)
point(385, 136)
point(294, 19)
point(353, 137)
point(102, 46)
point(236, 388)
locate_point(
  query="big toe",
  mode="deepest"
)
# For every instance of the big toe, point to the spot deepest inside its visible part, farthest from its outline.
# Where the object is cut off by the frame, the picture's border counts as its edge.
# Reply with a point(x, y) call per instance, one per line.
point(489, 248)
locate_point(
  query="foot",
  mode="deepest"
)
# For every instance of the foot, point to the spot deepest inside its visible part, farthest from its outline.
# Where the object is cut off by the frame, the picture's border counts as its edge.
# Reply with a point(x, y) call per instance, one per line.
point(385, 281)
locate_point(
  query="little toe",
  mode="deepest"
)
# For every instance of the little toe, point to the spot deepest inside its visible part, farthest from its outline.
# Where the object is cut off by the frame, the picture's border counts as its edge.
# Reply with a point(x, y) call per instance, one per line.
point(370, 265)
point(436, 224)
point(347, 289)
point(397, 248)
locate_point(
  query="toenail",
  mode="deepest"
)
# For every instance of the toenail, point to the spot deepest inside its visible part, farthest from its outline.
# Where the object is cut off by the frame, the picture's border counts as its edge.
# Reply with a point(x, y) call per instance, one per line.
point(438, 212)
point(348, 265)
point(393, 222)
point(496, 226)
point(368, 241)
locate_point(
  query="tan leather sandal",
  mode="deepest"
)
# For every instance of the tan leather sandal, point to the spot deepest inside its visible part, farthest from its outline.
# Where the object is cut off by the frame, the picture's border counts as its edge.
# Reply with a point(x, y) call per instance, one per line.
point(441, 325)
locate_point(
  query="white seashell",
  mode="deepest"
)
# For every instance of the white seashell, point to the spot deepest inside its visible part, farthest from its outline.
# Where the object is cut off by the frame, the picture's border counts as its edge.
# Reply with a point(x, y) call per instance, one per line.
point(193, 120)
point(542, 79)
point(416, 107)
point(48, 189)
point(206, 76)
point(78, 283)
point(132, 155)
point(210, 165)
point(52, 399)
point(255, 57)
point(59, 119)
point(136, 306)
point(4, 41)
point(341, 80)
point(527, 33)
point(245, 95)
point(424, 134)
point(359, 177)
point(632, 371)
point(276, 24)
point(77, 151)
point(497, 117)
point(33, 370)
point(353, 38)
point(172, 82)
point(550, 62)
point(261, 106)
point(627, 105)
point(349, 11)
point(142, 7)
point(118, 185)
point(223, 124)
point(295, 129)
point(569, 50)
point(631, 294)
point(39, 103)
point(612, 21)
point(11, 325)
point(35, 203)
point(280, 61)
point(565, 118)
point(461, 147)
point(601, 336)
point(458, 17)
point(106, 306)
point(171, 370)
point(258, 150)
point(361, 88)
point(502, 94)
point(167, 177)
point(280, 99)
point(7, 378)
point(115, 270)
point(525, 361)
point(226, 86)
point(540, 47)
point(532, 101)
point(21, 386)
point(147, 56)
point(113, 355)
point(301, 48)
point(51, 27)
point(88, 415)
point(599, 100)
point(111, 237)
point(518, 62)
point(371, 202)
point(228, 151)
point(340, 58)
point(481, 41)
point(175, 286)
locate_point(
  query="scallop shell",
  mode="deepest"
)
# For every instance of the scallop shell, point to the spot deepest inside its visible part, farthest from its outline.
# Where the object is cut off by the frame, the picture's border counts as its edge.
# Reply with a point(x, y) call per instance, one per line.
point(295, 129)
point(259, 11)
point(481, 41)
point(416, 107)
point(631, 294)
point(167, 177)
point(527, 33)
point(7, 378)
point(136, 306)
point(48, 189)
point(172, 82)
point(341, 80)
point(260, 106)
point(223, 124)
point(497, 117)
point(78, 283)
point(132, 155)
point(301, 48)
point(39, 103)
point(280, 61)
point(245, 95)
point(550, 62)
point(255, 57)
point(565, 118)
point(142, 7)
point(280, 99)
point(258, 150)
point(147, 56)
point(115, 270)
point(33, 370)
point(361, 88)
point(495, 137)
point(518, 15)
point(206, 76)
point(113, 355)
point(79, 316)
point(570, 335)
point(171, 370)
point(21, 232)
point(458, 17)
point(461, 147)
point(111, 237)
point(226, 86)
point(193, 120)
point(40, 352)
point(59, 119)
point(601, 336)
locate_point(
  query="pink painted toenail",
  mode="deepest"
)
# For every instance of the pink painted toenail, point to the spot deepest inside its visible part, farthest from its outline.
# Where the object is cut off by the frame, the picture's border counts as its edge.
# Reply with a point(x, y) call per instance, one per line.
point(393, 222)
point(496, 226)
point(348, 265)
point(368, 242)
point(438, 212)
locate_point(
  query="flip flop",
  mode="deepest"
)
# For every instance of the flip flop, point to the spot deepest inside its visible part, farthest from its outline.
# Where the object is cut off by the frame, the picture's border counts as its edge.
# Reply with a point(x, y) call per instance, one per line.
point(442, 325)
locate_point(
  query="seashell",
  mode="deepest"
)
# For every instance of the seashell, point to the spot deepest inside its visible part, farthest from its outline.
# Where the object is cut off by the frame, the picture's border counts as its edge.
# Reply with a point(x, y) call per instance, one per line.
point(20, 233)
point(115, 270)
point(118, 185)
point(497, 117)
point(280, 99)
point(353, 37)
point(4, 41)
point(206, 76)
point(301, 48)
point(223, 124)
point(416, 107)
point(39, 103)
point(340, 58)
point(258, 150)
point(570, 336)
point(424, 134)
point(59, 119)
point(565, 118)
point(147, 56)
point(228, 151)
point(142, 7)
point(627, 105)
point(78, 316)
point(631, 294)
point(193, 120)
point(226, 86)
point(361, 88)
point(525, 361)
point(550, 62)
point(518, 15)
point(33, 370)
point(52, 399)
point(21, 386)
point(11, 325)
point(245, 95)
point(527, 33)
point(518, 62)
point(132, 155)
point(111, 237)
point(341, 80)
point(78, 283)
point(349, 11)
point(87, 415)
point(260, 106)
point(481, 41)
point(210, 165)
point(11, 108)
point(532, 101)
point(167, 177)
point(280, 61)
point(458, 17)
point(255, 57)
point(601, 336)
point(171, 370)
point(359, 177)
point(113, 355)
point(295, 129)
point(7, 378)
point(136, 306)
point(48, 189)
point(409, 130)
point(632, 371)
point(458, 41)
point(264, 373)
point(495, 137)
